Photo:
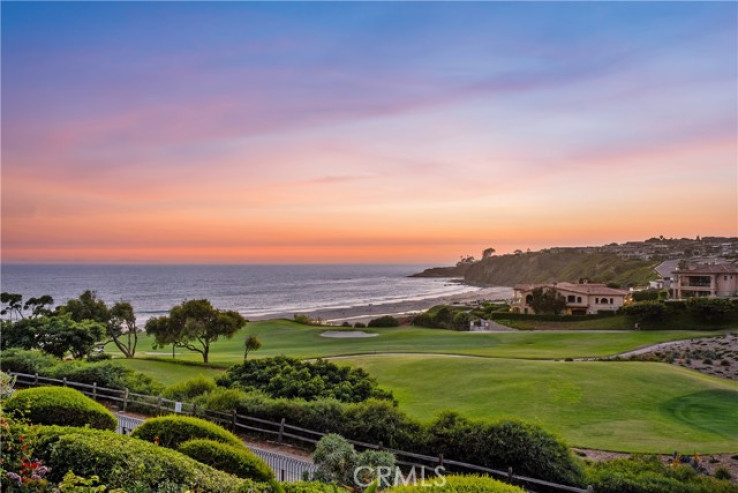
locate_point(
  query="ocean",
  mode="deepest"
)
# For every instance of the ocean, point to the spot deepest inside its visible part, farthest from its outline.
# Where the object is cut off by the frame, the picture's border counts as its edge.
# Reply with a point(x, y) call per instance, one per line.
point(253, 290)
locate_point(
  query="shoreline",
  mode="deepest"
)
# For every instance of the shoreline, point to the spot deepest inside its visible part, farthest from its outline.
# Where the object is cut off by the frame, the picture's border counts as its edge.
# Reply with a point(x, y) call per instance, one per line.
point(364, 313)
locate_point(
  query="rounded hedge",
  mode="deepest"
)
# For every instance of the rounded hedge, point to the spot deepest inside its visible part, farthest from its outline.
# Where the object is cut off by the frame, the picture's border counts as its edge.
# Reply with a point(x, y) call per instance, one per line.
point(60, 406)
point(234, 460)
point(458, 484)
point(125, 462)
point(172, 431)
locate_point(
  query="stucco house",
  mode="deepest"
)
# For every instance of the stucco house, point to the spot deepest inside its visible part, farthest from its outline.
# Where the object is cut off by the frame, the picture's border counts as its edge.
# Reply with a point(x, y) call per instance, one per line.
point(581, 298)
point(710, 280)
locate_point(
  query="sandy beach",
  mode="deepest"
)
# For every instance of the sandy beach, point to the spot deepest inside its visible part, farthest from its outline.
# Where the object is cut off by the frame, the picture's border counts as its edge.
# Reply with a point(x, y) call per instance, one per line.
point(365, 313)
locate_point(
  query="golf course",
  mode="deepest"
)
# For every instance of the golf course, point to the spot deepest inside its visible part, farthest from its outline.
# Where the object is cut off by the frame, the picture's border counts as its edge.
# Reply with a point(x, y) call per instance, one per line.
point(609, 405)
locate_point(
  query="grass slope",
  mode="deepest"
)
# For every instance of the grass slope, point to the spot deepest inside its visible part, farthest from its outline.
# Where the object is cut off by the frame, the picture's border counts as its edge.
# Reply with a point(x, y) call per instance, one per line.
point(627, 406)
point(291, 339)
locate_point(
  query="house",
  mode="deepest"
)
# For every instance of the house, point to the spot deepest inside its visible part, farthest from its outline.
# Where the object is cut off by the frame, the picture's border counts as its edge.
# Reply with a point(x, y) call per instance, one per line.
point(581, 298)
point(711, 280)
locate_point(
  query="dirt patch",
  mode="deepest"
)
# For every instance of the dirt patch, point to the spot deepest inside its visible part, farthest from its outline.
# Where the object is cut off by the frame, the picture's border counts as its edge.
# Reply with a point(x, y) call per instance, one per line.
point(347, 334)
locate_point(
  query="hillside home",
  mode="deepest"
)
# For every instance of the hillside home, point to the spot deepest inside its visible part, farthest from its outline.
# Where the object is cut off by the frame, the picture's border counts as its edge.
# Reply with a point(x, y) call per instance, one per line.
point(710, 280)
point(581, 299)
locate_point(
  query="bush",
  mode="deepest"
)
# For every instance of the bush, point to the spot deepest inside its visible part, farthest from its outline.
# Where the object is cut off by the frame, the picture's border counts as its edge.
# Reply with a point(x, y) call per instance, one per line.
point(458, 484)
point(223, 400)
point(359, 325)
point(60, 406)
point(98, 356)
point(723, 473)
point(187, 390)
point(379, 421)
point(385, 321)
point(121, 461)
point(175, 430)
point(308, 487)
point(338, 462)
point(106, 374)
point(646, 311)
point(29, 362)
point(290, 377)
point(238, 461)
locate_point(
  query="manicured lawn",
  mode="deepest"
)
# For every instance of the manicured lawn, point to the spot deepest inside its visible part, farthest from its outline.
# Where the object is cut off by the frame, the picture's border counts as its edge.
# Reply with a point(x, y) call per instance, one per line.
point(289, 338)
point(624, 406)
point(167, 372)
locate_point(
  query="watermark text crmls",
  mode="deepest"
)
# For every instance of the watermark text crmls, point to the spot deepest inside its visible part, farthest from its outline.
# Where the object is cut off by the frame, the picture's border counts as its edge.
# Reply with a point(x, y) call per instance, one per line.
point(389, 476)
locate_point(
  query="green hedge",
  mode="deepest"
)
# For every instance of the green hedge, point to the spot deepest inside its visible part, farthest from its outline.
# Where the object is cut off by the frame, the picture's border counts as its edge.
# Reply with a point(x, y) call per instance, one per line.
point(60, 406)
point(122, 461)
point(235, 460)
point(308, 487)
point(175, 430)
point(26, 361)
point(552, 318)
point(187, 390)
point(458, 484)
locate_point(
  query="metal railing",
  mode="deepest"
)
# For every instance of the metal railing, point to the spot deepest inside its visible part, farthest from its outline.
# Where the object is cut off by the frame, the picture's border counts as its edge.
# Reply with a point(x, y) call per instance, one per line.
point(282, 431)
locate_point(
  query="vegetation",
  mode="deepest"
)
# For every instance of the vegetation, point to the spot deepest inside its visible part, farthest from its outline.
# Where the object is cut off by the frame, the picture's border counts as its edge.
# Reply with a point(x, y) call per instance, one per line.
point(188, 390)
point(59, 406)
point(384, 321)
point(252, 343)
point(289, 377)
point(696, 312)
point(194, 325)
point(338, 462)
point(171, 431)
point(458, 484)
point(649, 475)
point(547, 267)
point(238, 461)
point(445, 317)
point(647, 407)
point(547, 301)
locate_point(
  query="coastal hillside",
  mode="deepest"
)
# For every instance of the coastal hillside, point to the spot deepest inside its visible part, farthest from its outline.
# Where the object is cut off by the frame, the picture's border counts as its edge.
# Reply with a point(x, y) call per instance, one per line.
point(546, 266)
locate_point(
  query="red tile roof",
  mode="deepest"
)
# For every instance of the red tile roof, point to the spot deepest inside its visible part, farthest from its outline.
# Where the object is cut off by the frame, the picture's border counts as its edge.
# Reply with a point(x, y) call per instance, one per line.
point(588, 288)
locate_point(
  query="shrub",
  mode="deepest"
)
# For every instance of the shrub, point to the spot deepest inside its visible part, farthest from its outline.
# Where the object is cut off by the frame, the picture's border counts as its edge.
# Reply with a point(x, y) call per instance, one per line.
point(723, 473)
point(308, 487)
point(458, 484)
point(121, 461)
point(338, 462)
point(29, 362)
point(238, 461)
point(106, 374)
point(646, 311)
point(385, 321)
point(174, 430)
point(221, 399)
point(187, 390)
point(60, 406)
point(379, 421)
point(290, 377)
point(359, 325)
point(98, 356)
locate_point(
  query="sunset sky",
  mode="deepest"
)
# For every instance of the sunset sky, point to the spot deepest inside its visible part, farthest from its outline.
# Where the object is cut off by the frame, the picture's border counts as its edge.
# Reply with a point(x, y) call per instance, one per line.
point(362, 132)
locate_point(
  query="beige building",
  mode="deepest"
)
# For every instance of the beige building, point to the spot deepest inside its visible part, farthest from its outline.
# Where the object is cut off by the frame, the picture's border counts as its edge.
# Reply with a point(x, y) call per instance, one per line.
point(710, 280)
point(581, 299)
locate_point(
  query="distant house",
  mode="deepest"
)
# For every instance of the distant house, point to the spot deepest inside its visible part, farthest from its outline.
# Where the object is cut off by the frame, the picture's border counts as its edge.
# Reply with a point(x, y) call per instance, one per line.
point(710, 280)
point(581, 299)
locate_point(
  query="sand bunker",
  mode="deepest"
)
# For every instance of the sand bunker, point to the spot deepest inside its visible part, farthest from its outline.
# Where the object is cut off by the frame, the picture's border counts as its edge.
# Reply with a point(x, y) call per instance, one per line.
point(347, 334)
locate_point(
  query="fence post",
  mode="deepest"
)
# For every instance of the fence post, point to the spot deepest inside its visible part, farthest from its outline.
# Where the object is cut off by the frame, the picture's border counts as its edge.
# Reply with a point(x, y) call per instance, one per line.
point(125, 399)
point(440, 460)
point(380, 446)
point(590, 488)
point(35, 379)
point(233, 420)
point(94, 391)
point(509, 474)
point(158, 405)
point(194, 409)
point(64, 381)
point(280, 437)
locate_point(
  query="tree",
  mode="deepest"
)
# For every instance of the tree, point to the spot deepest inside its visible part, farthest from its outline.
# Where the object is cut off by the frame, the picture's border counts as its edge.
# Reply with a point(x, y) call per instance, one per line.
point(60, 334)
point(194, 325)
point(40, 306)
point(122, 329)
point(546, 300)
point(13, 305)
point(87, 307)
point(252, 343)
point(488, 252)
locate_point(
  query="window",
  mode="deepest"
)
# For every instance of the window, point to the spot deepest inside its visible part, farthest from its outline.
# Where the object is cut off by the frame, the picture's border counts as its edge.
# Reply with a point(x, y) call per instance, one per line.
point(570, 298)
point(528, 299)
point(611, 302)
point(579, 299)
point(597, 301)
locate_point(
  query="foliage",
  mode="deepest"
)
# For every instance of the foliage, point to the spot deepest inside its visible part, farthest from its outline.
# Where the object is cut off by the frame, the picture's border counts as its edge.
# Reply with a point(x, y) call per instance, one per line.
point(458, 484)
point(649, 295)
point(13, 304)
point(24, 333)
point(194, 325)
point(445, 317)
point(60, 406)
point(384, 321)
point(306, 320)
point(252, 343)
point(20, 469)
point(107, 374)
point(527, 448)
point(547, 301)
point(220, 399)
point(171, 431)
point(121, 461)
point(238, 461)
point(122, 328)
point(706, 313)
point(711, 309)
point(336, 460)
point(646, 311)
point(62, 334)
point(308, 487)
point(646, 474)
point(7, 384)
point(289, 377)
point(187, 390)
point(23, 361)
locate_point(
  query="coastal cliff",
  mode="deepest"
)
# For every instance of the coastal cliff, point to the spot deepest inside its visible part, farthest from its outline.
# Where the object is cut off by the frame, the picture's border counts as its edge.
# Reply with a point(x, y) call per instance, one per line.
point(544, 267)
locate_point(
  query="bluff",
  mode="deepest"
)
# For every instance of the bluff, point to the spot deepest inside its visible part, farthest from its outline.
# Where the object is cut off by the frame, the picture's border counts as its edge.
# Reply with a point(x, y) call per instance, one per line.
point(546, 267)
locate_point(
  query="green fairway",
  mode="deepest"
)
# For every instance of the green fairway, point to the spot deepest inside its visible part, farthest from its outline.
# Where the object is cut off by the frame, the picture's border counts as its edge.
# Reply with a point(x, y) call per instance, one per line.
point(300, 341)
point(624, 406)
